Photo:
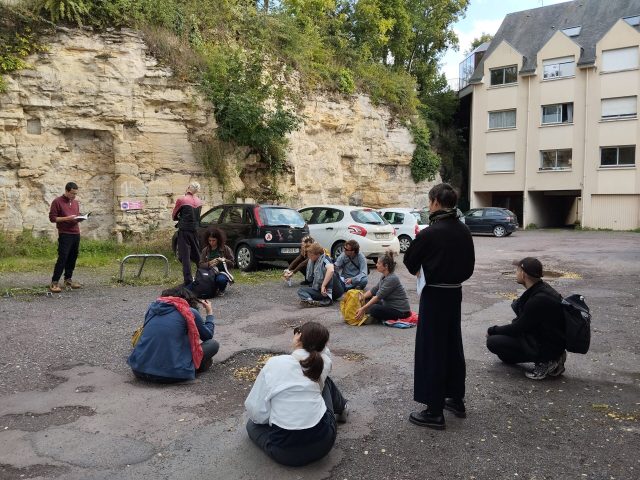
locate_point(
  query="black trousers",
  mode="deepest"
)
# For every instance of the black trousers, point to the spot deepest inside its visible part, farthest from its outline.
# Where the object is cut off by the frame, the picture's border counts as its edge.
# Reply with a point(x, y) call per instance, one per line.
point(296, 448)
point(68, 248)
point(513, 349)
point(380, 312)
point(440, 368)
point(189, 251)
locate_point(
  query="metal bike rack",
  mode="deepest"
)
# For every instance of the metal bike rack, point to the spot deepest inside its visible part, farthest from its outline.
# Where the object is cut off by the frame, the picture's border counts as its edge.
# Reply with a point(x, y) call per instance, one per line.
point(144, 257)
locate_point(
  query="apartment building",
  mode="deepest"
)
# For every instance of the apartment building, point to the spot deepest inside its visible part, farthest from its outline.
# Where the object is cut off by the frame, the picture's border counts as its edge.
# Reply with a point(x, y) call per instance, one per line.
point(553, 116)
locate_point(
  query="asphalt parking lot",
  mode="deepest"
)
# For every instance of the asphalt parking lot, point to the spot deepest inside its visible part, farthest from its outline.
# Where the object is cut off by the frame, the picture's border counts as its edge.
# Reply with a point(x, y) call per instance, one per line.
point(70, 408)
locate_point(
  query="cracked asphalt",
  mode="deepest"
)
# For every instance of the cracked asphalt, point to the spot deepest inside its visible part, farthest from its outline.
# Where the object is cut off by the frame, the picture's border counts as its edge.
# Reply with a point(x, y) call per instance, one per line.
point(71, 409)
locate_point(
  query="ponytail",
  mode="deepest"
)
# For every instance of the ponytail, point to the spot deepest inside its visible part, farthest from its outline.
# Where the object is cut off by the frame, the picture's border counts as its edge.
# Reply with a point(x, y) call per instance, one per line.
point(313, 337)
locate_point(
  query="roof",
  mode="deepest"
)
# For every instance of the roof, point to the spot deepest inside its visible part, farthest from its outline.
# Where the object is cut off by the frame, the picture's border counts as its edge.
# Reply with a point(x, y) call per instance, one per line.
point(528, 31)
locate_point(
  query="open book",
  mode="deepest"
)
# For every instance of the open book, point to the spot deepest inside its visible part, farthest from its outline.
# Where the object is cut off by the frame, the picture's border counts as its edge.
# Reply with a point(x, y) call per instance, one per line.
point(82, 218)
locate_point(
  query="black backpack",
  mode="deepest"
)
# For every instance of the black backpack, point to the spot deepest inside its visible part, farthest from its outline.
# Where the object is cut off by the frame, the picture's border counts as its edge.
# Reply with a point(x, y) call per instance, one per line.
point(204, 286)
point(577, 321)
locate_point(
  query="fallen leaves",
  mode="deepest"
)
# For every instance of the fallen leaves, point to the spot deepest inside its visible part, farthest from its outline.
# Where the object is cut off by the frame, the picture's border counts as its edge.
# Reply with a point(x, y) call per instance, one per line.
point(250, 373)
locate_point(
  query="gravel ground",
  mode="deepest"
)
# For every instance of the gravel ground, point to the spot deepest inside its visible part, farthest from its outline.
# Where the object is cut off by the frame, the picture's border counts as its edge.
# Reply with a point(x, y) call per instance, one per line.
point(70, 408)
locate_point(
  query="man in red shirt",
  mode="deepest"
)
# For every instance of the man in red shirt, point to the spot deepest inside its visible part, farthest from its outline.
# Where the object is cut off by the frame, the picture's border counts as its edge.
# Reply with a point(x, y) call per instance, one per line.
point(63, 213)
point(187, 214)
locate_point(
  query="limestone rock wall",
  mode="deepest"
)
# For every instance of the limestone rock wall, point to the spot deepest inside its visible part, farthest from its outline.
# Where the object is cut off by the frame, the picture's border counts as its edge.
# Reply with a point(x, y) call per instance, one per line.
point(98, 110)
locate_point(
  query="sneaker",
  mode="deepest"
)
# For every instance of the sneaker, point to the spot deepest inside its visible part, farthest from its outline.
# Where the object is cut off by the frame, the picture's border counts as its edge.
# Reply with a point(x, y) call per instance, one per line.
point(309, 303)
point(221, 293)
point(342, 416)
point(559, 370)
point(427, 419)
point(69, 283)
point(55, 287)
point(542, 369)
point(456, 407)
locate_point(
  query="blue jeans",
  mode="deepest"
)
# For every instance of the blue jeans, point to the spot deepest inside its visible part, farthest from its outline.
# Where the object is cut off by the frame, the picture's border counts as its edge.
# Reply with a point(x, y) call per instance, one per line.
point(221, 282)
point(361, 285)
point(309, 293)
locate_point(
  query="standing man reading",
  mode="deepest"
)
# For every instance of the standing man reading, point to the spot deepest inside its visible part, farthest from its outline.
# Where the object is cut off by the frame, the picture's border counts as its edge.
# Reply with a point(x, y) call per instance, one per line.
point(187, 214)
point(64, 212)
point(446, 255)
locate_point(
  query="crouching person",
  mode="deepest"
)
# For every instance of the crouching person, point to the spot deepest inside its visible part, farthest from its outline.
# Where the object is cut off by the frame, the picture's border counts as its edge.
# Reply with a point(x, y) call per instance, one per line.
point(537, 333)
point(169, 349)
point(322, 290)
point(294, 405)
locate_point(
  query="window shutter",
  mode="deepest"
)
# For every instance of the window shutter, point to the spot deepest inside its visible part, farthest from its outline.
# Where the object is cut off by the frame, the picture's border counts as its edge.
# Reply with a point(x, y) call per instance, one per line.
point(619, 59)
point(500, 162)
point(619, 107)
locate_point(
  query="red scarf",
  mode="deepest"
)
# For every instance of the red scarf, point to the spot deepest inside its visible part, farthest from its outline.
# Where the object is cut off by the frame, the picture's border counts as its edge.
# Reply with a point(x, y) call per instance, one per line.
point(192, 331)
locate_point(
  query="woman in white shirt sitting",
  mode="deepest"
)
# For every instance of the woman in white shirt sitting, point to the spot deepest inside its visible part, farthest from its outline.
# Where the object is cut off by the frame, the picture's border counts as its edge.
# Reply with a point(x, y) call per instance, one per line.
point(294, 405)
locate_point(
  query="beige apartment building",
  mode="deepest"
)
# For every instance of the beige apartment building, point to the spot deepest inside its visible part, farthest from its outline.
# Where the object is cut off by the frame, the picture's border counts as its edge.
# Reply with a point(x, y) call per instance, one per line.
point(554, 124)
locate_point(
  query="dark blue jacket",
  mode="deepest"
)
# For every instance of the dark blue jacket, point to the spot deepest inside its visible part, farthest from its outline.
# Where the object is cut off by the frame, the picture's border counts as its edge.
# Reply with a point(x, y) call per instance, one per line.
point(164, 349)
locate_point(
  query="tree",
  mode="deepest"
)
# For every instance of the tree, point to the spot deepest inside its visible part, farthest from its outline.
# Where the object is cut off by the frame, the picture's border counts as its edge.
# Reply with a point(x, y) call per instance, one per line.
point(485, 37)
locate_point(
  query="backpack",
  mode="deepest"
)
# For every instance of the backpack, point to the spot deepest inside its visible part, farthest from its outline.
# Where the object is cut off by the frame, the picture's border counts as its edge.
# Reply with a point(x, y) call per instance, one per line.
point(577, 321)
point(348, 306)
point(204, 286)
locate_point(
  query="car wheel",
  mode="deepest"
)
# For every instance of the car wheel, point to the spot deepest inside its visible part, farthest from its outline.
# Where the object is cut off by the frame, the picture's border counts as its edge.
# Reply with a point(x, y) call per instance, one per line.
point(405, 241)
point(499, 231)
point(337, 250)
point(245, 259)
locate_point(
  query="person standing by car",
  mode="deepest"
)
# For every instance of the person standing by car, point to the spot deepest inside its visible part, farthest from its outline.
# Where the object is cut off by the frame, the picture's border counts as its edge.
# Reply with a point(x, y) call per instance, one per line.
point(187, 213)
point(388, 300)
point(444, 254)
point(537, 334)
point(321, 292)
point(218, 258)
point(352, 266)
point(64, 212)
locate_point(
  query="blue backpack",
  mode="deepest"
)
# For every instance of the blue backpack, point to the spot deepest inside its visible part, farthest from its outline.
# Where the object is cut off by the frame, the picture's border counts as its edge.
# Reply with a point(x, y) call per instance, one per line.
point(577, 321)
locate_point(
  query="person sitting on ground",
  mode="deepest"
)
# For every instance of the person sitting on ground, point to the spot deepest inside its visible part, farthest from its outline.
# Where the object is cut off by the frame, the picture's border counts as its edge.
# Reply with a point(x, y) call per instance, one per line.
point(352, 266)
point(169, 349)
point(294, 405)
point(299, 264)
point(388, 300)
point(537, 334)
point(217, 257)
point(322, 291)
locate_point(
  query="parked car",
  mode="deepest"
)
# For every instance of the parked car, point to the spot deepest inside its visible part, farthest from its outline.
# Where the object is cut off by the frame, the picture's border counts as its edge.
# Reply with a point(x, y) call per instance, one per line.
point(255, 232)
point(333, 225)
point(498, 221)
point(407, 222)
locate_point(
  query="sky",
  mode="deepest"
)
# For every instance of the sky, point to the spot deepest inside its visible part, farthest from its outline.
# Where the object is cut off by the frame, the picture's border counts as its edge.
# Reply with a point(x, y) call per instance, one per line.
point(483, 16)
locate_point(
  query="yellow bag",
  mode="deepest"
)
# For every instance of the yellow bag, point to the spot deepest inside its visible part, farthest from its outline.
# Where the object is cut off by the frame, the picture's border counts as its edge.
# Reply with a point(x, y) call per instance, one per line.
point(135, 338)
point(349, 304)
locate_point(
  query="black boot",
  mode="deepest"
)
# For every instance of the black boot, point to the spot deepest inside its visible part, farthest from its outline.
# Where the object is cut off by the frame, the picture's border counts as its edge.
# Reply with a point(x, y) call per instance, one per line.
point(428, 419)
point(455, 406)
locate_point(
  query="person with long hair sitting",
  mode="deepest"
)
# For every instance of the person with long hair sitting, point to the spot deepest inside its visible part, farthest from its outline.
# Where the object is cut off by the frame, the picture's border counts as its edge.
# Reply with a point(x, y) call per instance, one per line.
point(294, 405)
point(217, 256)
point(388, 300)
point(299, 264)
point(323, 290)
point(169, 349)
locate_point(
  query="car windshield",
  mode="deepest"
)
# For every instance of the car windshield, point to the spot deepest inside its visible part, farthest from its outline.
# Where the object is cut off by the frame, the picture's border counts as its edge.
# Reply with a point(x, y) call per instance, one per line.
point(367, 216)
point(422, 216)
point(281, 217)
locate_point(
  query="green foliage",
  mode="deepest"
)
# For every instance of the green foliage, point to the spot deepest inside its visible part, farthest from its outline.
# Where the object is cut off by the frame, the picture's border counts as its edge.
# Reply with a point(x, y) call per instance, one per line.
point(15, 46)
point(424, 162)
point(476, 42)
point(345, 82)
point(64, 10)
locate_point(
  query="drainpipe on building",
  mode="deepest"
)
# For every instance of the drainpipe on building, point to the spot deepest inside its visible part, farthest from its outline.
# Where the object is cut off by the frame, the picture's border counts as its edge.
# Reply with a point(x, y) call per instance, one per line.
point(525, 195)
point(584, 150)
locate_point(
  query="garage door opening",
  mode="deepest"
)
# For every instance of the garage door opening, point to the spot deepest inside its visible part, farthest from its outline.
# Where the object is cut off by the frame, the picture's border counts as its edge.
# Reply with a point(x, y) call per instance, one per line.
point(557, 209)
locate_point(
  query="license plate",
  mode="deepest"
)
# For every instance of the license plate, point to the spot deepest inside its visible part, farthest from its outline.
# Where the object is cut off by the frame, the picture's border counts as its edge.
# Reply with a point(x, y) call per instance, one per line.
point(382, 236)
point(289, 250)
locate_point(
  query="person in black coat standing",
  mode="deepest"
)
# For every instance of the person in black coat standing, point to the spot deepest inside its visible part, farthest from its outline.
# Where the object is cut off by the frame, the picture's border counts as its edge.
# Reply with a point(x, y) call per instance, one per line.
point(445, 253)
point(537, 334)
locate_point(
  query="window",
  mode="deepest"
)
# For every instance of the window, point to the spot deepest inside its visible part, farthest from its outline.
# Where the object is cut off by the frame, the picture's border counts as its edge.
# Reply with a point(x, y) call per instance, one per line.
point(474, 213)
point(500, 162)
point(212, 216)
point(235, 215)
point(367, 216)
point(329, 215)
point(558, 113)
point(572, 31)
point(394, 218)
point(502, 119)
point(558, 68)
point(504, 75)
point(617, 156)
point(307, 213)
point(555, 159)
point(280, 217)
point(621, 107)
point(619, 59)
point(633, 21)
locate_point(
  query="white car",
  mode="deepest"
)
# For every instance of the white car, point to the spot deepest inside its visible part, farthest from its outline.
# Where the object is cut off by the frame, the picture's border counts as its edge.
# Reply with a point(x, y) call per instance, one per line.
point(332, 225)
point(407, 222)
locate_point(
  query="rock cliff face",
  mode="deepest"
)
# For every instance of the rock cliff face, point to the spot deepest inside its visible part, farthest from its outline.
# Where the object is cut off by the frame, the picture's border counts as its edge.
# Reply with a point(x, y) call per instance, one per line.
point(98, 110)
